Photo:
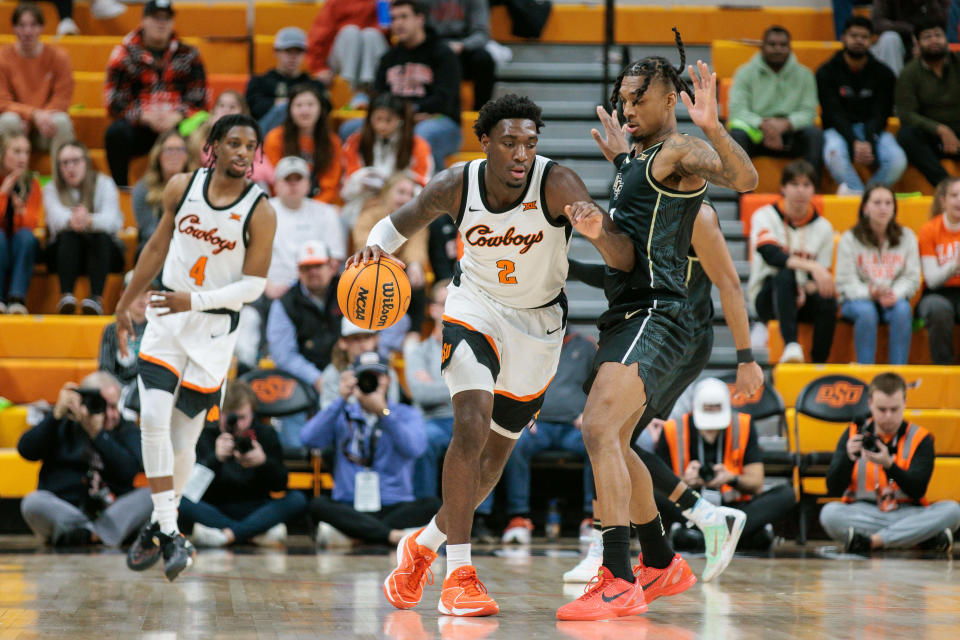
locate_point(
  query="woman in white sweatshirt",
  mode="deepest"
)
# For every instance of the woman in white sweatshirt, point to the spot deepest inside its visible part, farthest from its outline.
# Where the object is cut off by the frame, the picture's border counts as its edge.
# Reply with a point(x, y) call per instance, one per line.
point(878, 272)
point(83, 218)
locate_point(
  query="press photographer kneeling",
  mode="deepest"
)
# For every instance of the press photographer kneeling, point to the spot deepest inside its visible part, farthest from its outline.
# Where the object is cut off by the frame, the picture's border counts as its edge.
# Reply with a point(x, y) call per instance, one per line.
point(882, 469)
point(90, 457)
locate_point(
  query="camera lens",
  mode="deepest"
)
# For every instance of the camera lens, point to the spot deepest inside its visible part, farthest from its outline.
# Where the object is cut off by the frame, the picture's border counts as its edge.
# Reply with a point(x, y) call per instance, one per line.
point(367, 381)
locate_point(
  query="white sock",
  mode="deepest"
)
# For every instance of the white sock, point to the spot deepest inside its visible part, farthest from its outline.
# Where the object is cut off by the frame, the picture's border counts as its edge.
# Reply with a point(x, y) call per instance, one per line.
point(458, 555)
point(431, 537)
point(703, 513)
point(165, 510)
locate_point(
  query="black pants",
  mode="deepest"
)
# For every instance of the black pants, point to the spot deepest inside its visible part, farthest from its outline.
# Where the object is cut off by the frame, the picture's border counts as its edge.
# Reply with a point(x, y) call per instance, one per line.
point(373, 527)
point(777, 300)
point(664, 479)
point(764, 509)
point(64, 8)
point(924, 151)
point(477, 65)
point(803, 143)
point(92, 253)
point(125, 141)
point(940, 310)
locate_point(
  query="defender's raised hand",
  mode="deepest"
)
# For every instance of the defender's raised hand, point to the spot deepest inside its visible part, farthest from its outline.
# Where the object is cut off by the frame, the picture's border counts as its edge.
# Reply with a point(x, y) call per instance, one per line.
point(613, 142)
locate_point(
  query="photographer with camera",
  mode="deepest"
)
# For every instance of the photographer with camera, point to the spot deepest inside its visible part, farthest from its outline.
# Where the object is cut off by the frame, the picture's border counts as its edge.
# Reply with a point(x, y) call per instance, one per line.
point(376, 442)
point(90, 457)
point(246, 463)
point(720, 458)
point(881, 468)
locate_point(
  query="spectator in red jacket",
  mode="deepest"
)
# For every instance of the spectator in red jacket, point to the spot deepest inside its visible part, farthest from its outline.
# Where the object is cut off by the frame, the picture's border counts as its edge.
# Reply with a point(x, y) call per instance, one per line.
point(153, 82)
point(346, 38)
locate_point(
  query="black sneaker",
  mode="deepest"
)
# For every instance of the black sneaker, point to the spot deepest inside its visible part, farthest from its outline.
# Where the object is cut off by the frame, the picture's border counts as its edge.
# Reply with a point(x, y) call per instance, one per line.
point(79, 537)
point(857, 543)
point(684, 538)
point(943, 542)
point(145, 550)
point(482, 533)
point(178, 554)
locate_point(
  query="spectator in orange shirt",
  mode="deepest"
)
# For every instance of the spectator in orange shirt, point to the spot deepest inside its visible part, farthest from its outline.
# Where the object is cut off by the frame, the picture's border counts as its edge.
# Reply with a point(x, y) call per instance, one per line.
point(306, 133)
point(939, 242)
point(36, 83)
point(384, 145)
point(20, 206)
point(346, 38)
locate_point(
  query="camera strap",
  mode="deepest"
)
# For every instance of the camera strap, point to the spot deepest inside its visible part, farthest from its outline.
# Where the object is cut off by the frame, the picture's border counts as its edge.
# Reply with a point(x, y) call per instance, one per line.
point(702, 456)
point(361, 446)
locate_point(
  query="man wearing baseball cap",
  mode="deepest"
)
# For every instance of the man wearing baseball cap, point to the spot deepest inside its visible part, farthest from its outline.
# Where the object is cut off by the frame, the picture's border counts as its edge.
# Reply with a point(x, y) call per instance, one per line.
point(299, 219)
point(714, 450)
point(154, 80)
point(267, 94)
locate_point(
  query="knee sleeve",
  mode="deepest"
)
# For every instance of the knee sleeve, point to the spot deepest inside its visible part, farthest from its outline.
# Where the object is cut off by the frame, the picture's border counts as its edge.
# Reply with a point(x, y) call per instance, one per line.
point(184, 433)
point(156, 407)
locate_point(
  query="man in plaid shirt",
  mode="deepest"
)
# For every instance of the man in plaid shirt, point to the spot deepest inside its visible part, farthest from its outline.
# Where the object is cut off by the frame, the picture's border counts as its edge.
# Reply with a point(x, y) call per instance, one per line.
point(154, 81)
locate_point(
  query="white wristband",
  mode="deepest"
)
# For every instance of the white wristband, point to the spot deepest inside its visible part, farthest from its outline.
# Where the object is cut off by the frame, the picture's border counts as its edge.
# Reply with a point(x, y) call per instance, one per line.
point(233, 296)
point(386, 236)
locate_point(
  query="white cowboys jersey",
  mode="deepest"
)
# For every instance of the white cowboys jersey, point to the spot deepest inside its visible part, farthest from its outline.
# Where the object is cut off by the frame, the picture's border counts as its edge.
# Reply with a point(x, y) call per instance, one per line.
point(517, 255)
point(209, 243)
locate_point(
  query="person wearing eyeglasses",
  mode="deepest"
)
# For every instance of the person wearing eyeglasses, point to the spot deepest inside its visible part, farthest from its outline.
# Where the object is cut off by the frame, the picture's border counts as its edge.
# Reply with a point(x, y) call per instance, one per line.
point(376, 443)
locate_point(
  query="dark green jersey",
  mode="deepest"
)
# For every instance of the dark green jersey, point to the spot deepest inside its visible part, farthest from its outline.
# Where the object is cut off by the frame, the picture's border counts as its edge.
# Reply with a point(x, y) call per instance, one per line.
point(660, 223)
point(698, 289)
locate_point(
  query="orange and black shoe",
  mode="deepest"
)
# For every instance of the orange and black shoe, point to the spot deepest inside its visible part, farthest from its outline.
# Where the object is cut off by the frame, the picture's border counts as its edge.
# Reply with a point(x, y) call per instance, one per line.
point(675, 578)
point(605, 598)
point(464, 595)
point(404, 586)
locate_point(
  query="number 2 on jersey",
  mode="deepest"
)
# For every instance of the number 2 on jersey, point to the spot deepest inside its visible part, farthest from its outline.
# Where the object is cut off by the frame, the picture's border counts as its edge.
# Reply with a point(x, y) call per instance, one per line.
point(196, 271)
point(506, 268)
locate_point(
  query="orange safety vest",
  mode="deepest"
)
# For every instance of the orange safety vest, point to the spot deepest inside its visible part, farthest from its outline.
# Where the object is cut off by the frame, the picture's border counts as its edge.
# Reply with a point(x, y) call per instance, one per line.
point(735, 445)
point(870, 479)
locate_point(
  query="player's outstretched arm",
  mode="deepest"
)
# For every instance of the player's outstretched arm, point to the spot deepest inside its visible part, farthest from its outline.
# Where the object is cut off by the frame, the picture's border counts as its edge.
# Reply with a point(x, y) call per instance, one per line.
point(441, 196)
point(725, 163)
point(567, 195)
point(151, 258)
point(711, 248)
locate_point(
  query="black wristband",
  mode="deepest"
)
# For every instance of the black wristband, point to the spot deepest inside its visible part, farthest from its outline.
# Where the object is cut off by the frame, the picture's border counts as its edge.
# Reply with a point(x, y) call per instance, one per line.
point(619, 159)
point(745, 356)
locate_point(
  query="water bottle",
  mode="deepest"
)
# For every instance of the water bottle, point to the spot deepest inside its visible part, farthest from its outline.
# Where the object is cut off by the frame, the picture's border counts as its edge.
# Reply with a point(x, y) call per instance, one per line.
point(383, 13)
point(553, 522)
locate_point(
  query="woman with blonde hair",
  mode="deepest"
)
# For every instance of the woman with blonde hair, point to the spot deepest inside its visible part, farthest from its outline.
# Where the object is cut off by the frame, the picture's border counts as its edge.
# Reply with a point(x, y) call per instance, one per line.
point(20, 208)
point(83, 218)
point(168, 157)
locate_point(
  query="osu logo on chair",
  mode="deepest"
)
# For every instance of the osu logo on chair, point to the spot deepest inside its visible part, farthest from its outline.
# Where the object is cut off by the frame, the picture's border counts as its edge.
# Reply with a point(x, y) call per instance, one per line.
point(839, 394)
point(273, 388)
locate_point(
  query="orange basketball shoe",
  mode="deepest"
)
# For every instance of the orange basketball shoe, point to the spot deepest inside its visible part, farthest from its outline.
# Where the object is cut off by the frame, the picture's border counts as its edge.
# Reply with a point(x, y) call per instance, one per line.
point(606, 598)
point(404, 586)
point(675, 578)
point(464, 595)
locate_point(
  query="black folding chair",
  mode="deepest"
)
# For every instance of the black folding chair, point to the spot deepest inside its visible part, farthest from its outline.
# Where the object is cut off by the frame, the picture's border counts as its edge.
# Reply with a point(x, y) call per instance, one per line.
point(766, 403)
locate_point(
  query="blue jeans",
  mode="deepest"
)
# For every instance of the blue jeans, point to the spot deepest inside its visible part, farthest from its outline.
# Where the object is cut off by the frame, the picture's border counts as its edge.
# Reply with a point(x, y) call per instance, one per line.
point(866, 315)
point(290, 427)
point(427, 467)
point(246, 518)
point(891, 159)
point(441, 132)
point(16, 261)
point(273, 118)
point(548, 435)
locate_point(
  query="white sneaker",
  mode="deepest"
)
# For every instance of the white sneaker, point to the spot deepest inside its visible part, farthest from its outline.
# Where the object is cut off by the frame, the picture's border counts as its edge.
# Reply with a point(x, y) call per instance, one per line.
point(204, 536)
point(106, 9)
point(17, 309)
point(519, 530)
point(844, 190)
point(277, 534)
point(590, 564)
point(721, 533)
point(68, 27)
point(793, 352)
point(329, 537)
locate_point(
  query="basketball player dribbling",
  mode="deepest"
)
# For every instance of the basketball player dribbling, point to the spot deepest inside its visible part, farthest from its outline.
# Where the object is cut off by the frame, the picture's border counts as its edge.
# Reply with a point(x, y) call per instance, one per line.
point(657, 194)
point(214, 243)
point(503, 323)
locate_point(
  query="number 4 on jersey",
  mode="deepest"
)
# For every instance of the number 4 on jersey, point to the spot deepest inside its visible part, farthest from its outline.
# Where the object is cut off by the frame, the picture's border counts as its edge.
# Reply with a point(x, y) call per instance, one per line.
point(196, 271)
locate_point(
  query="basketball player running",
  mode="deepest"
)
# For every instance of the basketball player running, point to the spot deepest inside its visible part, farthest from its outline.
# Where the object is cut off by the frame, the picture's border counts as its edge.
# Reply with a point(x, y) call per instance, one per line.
point(708, 263)
point(503, 323)
point(657, 194)
point(214, 242)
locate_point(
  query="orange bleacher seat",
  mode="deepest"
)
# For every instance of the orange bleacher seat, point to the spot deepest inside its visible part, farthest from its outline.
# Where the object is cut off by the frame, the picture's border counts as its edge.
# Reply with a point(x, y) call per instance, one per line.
point(44, 291)
point(13, 422)
point(945, 482)
point(51, 336)
point(25, 380)
point(929, 386)
point(18, 477)
point(726, 56)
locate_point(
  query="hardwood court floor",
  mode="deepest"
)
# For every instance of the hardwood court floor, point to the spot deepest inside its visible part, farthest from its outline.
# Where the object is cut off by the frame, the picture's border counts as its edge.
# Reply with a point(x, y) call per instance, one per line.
point(296, 594)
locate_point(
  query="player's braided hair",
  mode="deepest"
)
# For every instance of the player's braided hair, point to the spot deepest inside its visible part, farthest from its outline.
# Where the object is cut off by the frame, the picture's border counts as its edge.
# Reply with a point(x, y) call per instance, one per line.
point(506, 107)
point(652, 67)
point(220, 129)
